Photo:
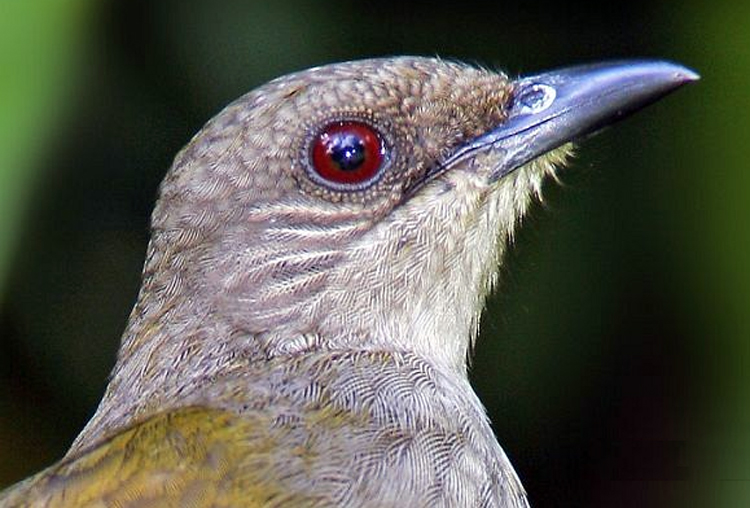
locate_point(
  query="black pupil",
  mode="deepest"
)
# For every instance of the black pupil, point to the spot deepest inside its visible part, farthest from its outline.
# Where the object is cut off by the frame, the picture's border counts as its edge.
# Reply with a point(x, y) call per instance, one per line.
point(347, 151)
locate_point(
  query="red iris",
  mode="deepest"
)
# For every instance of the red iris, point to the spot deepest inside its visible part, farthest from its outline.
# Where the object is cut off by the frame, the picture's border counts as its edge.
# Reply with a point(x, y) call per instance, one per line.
point(347, 153)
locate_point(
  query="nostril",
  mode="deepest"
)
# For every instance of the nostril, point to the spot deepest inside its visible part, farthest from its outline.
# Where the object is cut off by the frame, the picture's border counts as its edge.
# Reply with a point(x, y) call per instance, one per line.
point(533, 98)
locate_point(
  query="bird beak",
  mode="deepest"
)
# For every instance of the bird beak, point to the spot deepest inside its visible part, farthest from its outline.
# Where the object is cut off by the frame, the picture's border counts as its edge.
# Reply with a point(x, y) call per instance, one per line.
point(553, 108)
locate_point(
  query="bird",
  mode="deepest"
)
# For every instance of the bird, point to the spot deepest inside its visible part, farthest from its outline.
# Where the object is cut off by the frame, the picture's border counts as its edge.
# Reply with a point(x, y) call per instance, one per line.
point(320, 255)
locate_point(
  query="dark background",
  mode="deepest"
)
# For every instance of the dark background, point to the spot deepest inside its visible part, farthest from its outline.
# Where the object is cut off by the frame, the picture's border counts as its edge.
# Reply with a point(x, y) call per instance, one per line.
point(614, 357)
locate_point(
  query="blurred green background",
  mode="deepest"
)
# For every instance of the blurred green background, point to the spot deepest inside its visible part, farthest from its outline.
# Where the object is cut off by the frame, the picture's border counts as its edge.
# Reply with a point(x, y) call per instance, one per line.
point(615, 358)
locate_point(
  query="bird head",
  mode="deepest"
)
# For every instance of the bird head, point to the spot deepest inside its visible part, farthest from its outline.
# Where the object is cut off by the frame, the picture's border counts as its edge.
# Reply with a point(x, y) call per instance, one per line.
point(364, 204)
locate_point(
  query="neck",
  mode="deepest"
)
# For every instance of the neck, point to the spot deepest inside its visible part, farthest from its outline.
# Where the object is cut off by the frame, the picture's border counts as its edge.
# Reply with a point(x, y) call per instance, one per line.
point(310, 284)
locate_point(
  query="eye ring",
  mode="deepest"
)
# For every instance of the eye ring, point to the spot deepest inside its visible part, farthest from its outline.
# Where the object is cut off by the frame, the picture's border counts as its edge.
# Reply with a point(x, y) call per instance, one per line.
point(347, 155)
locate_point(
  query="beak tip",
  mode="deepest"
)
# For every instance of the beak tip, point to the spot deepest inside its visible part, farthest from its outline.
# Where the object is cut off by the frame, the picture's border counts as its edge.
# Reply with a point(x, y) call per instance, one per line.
point(689, 75)
point(679, 74)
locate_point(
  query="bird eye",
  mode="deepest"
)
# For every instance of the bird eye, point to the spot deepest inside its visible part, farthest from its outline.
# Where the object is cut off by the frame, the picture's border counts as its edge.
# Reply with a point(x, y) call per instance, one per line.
point(347, 153)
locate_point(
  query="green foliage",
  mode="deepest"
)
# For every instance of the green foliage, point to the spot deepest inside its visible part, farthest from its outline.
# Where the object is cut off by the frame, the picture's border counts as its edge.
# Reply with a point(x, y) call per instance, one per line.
point(39, 40)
